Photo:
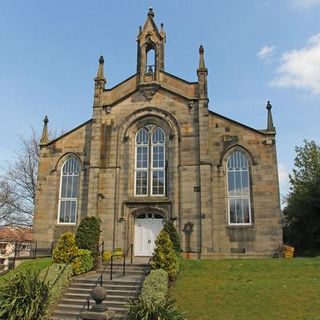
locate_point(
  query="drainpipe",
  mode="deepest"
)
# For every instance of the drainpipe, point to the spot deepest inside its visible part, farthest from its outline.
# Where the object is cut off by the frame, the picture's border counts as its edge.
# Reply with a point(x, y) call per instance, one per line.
point(199, 180)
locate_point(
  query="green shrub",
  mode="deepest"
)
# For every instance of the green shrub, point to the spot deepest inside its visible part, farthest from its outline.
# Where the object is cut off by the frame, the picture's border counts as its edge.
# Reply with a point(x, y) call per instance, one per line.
point(106, 256)
point(140, 309)
point(87, 236)
point(164, 256)
point(24, 296)
point(83, 262)
point(66, 249)
point(174, 236)
point(117, 253)
point(155, 286)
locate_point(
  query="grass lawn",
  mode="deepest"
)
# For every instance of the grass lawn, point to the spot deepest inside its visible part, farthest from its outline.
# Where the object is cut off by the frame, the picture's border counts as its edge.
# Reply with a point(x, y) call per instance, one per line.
point(34, 264)
point(249, 289)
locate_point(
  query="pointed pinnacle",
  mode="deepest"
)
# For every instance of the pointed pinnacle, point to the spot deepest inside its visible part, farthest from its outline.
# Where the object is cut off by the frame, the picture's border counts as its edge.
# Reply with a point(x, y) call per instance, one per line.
point(270, 126)
point(45, 135)
point(100, 73)
point(269, 106)
point(201, 60)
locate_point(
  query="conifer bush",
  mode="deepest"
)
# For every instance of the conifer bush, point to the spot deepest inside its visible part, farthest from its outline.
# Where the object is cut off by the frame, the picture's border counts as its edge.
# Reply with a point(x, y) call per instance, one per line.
point(174, 236)
point(87, 236)
point(164, 256)
point(66, 249)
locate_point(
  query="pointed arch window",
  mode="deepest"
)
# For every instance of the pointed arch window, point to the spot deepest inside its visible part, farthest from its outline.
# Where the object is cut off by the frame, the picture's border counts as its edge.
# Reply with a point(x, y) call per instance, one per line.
point(238, 189)
point(69, 189)
point(150, 162)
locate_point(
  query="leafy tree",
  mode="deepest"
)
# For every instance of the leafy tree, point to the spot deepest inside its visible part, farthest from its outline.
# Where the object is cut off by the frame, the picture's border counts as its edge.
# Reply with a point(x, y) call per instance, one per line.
point(174, 236)
point(302, 212)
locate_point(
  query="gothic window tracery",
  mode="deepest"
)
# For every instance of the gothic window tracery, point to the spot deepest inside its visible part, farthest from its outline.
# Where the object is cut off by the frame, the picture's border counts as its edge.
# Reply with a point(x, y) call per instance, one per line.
point(69, 188)
point(238, 182)
point(150, 161)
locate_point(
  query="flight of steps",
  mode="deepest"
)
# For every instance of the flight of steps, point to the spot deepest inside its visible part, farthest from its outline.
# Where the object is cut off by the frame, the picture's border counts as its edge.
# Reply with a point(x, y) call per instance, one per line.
point(119, 290)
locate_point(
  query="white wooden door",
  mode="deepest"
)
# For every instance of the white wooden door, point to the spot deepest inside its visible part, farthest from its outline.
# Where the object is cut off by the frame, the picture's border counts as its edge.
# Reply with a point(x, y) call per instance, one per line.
point(146, 232)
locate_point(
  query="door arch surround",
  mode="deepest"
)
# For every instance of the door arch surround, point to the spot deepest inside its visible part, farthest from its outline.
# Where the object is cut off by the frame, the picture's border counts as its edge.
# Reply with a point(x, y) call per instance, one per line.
point(147, 225)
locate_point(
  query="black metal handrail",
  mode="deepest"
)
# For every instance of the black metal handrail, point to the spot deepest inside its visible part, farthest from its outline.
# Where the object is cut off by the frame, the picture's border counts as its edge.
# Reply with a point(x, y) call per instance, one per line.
point(99, 281)
point(110, 262)
point(101, 245)
point(130, 249)
point(62, 271)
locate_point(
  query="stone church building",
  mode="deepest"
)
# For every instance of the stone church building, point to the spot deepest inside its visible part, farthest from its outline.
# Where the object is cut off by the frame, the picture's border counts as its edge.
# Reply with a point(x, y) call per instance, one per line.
point(154, 151)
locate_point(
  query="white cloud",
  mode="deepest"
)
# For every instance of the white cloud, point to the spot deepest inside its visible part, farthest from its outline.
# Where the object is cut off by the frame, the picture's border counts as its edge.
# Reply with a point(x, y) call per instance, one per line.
point(301, 68)
point(283, 178)
point(265, 52)
point(304, 4)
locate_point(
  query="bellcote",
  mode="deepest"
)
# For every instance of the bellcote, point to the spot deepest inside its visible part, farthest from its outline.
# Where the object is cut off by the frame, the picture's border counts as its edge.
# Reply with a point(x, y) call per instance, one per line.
point(150, 47)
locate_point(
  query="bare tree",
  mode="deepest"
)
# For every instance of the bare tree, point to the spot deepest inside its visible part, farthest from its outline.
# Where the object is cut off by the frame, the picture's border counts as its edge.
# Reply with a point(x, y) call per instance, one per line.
point(7, 204)
point(18, 185)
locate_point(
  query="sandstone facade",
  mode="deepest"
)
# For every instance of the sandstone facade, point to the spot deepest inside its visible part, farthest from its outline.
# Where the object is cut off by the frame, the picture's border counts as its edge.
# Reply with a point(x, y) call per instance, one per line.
point(194, 189)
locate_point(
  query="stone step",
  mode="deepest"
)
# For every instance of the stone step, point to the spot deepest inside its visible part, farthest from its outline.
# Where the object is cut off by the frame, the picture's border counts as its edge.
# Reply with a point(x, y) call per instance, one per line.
point(88, 289)
point(119, 291)
point(67, 300)
point(107, 285)
point(120, 314)
point(110, 294)
point(120, 281)
point(75, 308)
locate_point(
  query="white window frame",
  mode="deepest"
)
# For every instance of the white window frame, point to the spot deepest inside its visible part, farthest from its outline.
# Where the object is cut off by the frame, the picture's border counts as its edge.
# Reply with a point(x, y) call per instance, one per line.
point(159, 169)
point(245, 196)
point(74, 199)
point(150, 169)
point(136, 169)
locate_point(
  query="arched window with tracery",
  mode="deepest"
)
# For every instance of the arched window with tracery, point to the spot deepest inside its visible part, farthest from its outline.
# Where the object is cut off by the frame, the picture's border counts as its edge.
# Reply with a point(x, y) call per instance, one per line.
point(239, 207)
point(69, 189)
point(150, 162)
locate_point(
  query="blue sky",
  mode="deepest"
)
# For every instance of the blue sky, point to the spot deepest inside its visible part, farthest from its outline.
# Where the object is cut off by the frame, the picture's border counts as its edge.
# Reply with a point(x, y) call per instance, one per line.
point(255, 50)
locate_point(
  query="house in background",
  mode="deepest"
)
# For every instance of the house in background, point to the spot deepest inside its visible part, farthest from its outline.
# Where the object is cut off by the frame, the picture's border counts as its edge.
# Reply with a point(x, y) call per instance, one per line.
point(14, 241)
point(153, 150)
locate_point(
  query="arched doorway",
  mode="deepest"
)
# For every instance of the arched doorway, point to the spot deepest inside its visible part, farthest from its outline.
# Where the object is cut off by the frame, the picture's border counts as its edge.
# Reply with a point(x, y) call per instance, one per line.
point(146, 229)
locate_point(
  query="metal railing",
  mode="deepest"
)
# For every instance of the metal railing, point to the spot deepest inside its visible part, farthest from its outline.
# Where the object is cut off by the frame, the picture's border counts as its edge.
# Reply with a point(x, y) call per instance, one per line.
point(110, 263)
point(101, 245)
point(62, 272)
point(99, 281)
point(130, 249)
point(25, 250)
